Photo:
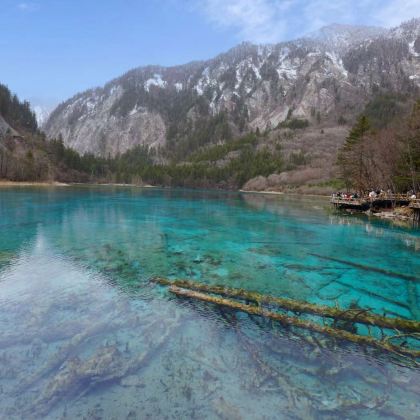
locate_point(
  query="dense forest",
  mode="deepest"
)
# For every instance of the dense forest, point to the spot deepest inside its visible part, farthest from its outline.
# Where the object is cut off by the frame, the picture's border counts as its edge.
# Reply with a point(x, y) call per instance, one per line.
point(382, 150)
point(18, 114)
point(25, 153)
point(202, 169)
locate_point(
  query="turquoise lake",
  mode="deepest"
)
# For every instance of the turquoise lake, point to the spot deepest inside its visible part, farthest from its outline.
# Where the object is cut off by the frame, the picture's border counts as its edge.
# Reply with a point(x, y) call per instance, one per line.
point(84, 333)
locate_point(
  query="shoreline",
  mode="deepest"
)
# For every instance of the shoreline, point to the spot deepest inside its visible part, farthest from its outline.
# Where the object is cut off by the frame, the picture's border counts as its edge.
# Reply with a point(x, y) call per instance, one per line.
point(6, 183)
point(261, 192)
point(112, 184)
point(283, 193)
point(397, 214)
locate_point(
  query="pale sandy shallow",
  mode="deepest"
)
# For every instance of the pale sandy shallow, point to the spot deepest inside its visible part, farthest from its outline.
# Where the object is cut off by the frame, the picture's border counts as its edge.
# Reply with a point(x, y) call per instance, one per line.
point(6, 183)
point(283, 193)
point(262, 192)
point(126, 185)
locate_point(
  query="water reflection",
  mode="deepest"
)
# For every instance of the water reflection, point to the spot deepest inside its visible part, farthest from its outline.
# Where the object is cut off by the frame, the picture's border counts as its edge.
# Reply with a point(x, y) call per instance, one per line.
point(83, 332)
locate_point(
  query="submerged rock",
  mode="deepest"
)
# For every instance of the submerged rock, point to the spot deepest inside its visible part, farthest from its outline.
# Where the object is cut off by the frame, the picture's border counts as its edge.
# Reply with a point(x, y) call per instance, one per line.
point(226, 410)
point(132, 380)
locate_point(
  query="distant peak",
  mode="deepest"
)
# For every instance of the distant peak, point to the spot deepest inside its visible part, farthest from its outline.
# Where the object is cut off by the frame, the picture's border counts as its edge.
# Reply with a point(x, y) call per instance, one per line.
point(339, 36)
point(346, 28)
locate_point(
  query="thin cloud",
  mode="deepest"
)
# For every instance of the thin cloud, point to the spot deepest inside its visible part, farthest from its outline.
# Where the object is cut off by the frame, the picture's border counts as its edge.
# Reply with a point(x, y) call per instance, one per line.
point(28, 7)
point(264, 21)
point(252, 19)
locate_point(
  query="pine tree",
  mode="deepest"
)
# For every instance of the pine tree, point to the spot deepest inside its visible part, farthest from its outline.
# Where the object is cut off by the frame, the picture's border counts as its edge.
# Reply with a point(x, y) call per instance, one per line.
point(410, 148)
point(351, 156)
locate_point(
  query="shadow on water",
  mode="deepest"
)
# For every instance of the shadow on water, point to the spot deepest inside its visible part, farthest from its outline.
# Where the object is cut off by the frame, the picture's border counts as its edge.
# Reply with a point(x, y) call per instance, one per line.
point(83, 332)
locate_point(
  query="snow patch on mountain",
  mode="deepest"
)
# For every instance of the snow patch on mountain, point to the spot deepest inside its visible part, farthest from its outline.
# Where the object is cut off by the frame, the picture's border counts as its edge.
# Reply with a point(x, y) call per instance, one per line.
point(156, 80)
point(412, 49)
point(338, 63)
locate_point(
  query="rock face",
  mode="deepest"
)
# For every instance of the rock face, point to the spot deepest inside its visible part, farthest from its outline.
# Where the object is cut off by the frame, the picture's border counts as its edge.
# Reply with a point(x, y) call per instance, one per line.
point(329, 74)
point(42, 113)
point(258, 183)
point(4, 127)
point(98, 122)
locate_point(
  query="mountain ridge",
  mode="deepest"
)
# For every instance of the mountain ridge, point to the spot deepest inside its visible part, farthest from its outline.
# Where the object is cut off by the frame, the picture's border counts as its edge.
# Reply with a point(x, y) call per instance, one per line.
point(246, 88)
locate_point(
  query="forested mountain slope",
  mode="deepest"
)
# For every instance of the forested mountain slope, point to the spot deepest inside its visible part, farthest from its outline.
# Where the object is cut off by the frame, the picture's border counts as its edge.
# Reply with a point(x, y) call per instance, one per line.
point(25, 153)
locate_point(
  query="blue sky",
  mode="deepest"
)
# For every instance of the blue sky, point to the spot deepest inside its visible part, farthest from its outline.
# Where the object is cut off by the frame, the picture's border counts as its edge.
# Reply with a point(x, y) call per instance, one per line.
point(51, 49)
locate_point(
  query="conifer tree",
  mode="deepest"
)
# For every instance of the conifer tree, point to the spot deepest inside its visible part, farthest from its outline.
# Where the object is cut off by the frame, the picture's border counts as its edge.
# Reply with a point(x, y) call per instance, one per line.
point(409, 167)
point(351, 156)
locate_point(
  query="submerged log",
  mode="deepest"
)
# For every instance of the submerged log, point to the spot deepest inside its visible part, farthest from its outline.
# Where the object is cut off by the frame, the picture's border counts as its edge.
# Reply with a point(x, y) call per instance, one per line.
point(65, 352)
point(296, 322)
point(368, 268)
point(353, 315)
point(413, 303)
point(298, 398)
point(372, 294)
point(107, 365)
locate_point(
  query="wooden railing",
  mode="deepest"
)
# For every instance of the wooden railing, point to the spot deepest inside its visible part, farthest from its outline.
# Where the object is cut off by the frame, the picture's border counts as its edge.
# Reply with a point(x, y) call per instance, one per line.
point(379, 200)
point(379, 197)
point(343, 200)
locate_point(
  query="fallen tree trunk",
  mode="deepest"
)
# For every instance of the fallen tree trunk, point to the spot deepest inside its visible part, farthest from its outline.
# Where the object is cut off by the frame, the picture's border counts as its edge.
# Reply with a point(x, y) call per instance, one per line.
point(353, 315)
point(368, 268)
point(296, 322)
point(83, 376)
point(372, 294)
point(64, 353)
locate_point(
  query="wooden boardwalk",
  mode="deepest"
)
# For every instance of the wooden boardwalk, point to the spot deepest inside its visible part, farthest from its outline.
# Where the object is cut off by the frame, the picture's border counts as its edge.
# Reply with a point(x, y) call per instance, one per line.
point(415, 205)
point(382, 201)
point(350, 203)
